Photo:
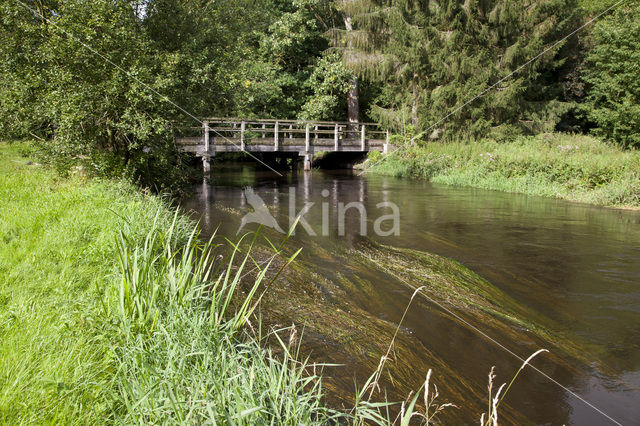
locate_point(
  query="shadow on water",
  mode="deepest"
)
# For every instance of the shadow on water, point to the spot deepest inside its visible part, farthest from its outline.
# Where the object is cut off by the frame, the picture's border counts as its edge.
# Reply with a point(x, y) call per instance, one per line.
point(527, 271)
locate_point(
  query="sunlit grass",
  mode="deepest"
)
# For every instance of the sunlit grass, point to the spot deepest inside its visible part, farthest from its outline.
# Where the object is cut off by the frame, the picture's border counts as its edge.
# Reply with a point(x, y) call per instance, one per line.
point(113, 310)
point(571, 167)
point(56, 244)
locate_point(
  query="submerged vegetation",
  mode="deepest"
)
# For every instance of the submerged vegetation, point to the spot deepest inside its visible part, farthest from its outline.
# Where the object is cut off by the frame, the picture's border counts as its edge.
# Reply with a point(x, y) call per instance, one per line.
point(114, 311)
point(85, 340)
point(571, 167)
point(473, 299)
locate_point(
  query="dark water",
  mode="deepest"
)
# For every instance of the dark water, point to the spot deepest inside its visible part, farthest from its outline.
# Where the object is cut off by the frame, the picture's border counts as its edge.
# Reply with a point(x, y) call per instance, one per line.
point(577, 266)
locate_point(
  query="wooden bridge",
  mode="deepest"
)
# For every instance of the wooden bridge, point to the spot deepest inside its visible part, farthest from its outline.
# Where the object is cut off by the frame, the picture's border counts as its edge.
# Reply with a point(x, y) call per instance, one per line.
point(283, 136)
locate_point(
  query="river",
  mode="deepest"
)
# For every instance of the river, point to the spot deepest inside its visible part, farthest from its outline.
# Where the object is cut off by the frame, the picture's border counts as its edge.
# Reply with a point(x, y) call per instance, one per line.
point(573, 268)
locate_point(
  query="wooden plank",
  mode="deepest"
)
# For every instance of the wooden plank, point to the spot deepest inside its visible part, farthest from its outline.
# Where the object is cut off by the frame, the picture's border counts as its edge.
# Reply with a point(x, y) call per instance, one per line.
point(199, 150)
point(196, 140)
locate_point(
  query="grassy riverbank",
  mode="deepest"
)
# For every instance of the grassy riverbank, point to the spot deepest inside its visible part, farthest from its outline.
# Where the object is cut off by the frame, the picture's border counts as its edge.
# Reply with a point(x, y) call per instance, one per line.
point(105, 315)
point(571, 167)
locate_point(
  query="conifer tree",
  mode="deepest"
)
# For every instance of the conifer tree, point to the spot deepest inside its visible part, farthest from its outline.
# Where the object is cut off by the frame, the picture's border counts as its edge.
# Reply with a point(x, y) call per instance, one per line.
point(613, 77)
point(432, 56)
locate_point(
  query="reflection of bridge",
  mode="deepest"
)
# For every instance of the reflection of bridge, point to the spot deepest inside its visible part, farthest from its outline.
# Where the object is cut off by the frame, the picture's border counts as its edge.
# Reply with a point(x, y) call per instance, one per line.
point(283, 136)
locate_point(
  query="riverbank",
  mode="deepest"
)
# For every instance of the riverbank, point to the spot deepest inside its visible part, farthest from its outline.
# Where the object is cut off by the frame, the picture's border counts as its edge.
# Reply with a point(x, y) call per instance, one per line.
point(571, 167)
point(105, 315)
point(109, 313)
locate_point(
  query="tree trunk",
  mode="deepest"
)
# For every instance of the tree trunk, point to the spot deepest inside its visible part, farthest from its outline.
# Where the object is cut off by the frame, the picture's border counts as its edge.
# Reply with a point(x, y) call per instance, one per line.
point(353, 103)
point(414, 106)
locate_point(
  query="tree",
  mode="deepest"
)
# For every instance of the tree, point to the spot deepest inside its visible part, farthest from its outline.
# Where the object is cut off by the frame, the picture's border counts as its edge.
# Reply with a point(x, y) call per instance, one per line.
point(22, 87)
point(348, 39)
point(109, 82)
point(329, 82)
point(613, 77)
point(385, 42)
point(284, 60)
point(432, 56)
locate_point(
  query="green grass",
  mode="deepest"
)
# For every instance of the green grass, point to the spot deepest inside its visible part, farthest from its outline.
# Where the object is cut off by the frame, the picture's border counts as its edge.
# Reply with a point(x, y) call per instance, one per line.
point(106, 314)
point(56, 246)
point(571, 167)
point(113, 311)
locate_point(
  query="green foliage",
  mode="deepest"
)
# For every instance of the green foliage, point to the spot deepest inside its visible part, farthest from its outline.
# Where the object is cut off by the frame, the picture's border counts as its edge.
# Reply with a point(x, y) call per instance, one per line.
point(99, 83)
point(329, 81)
point(87, 109)
point(596, 6)
point(374, 156)
point(577, 168)
point(613, 78)
point(433, 57)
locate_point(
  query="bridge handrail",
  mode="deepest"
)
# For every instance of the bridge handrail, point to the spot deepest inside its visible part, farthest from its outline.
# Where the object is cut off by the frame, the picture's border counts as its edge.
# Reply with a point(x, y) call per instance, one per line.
point(287, 121)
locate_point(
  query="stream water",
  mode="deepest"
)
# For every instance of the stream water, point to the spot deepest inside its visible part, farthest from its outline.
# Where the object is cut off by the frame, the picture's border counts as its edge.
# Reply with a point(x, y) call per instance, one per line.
point(571, 269)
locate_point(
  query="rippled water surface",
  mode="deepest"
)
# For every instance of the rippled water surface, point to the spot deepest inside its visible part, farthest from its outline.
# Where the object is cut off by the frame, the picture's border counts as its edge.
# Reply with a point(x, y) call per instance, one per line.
point(575, 268)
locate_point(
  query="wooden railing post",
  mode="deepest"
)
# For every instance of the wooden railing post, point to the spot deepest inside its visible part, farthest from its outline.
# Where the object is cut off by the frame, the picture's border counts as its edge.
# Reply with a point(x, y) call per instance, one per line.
point(290, 131)
point(335, 137)
point(276, 140)
point(205, 129)
point(206, 165)
point(307, 144)
point(362, 137)
point(264, 130)
point(385, 147)
point(242, 128)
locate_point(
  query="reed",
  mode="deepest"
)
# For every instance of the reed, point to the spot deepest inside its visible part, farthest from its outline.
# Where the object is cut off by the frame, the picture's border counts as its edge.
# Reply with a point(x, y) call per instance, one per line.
point(182, 352)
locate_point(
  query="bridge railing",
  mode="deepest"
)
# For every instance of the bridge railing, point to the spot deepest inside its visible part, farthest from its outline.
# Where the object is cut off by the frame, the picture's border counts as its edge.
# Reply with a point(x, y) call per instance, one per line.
point(278, 134)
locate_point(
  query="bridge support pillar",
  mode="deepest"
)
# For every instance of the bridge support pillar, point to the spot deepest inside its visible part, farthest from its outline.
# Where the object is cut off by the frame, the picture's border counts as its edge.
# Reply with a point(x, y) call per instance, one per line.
point(308, 158)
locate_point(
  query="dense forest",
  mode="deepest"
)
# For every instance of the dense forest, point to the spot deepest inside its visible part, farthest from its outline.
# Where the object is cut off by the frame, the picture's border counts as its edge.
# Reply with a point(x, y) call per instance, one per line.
point(112, 80)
